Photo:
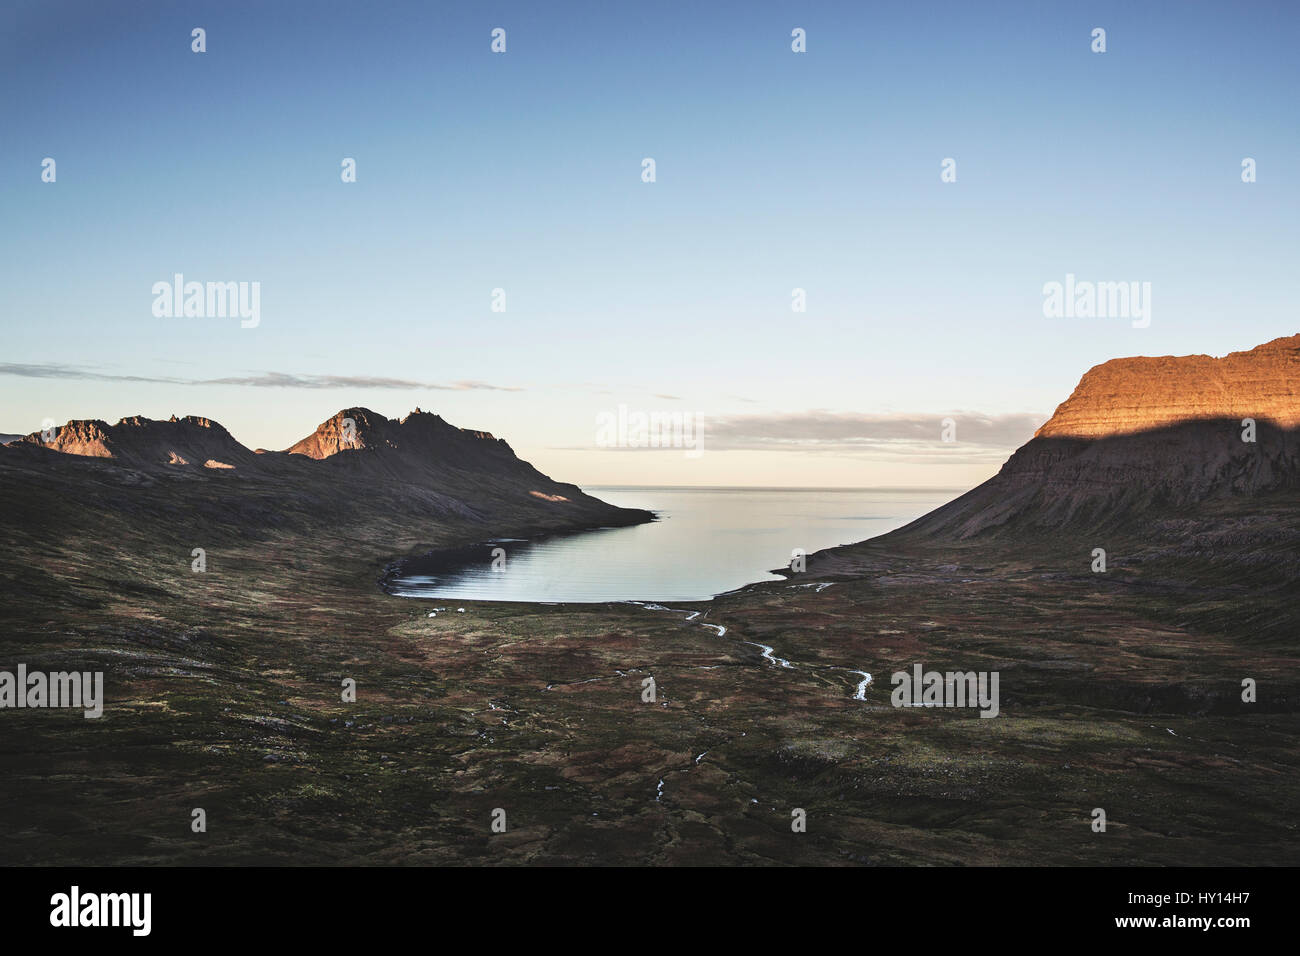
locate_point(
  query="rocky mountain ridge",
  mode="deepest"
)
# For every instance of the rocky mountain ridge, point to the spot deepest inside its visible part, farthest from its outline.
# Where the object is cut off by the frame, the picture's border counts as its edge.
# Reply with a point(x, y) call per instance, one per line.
point(1141, 438)
point(414, 469)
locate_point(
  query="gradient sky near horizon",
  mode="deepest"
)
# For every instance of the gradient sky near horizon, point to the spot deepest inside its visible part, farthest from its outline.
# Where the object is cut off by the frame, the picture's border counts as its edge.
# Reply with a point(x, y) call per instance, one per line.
point(522, 171)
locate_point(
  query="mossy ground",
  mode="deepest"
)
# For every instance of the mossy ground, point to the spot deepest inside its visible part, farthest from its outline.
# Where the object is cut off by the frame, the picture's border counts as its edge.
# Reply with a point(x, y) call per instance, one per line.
point(224, 692)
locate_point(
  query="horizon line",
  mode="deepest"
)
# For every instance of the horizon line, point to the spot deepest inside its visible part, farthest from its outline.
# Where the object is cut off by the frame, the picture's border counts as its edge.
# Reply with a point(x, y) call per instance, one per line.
point(883, 488)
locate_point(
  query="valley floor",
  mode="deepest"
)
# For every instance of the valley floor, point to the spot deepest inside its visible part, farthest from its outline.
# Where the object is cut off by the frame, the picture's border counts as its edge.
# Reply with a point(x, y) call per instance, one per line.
point(224, 693)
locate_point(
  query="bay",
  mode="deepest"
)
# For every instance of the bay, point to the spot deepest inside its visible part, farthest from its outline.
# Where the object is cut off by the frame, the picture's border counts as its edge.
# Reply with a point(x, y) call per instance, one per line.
point(705, 541)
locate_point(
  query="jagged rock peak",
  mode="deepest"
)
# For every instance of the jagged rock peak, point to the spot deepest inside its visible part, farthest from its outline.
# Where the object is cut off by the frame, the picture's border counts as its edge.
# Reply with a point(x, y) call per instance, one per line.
point(348, 429)
point(361, 428)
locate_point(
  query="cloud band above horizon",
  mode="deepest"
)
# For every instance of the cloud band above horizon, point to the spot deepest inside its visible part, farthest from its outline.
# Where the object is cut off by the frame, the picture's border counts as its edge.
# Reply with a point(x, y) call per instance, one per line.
point(256, 380)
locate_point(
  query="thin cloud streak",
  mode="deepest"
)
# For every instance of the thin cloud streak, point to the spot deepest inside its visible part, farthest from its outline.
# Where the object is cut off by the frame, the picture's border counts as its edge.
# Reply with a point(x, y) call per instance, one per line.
point(825, 431)
point(256, 380)
point(901, 438)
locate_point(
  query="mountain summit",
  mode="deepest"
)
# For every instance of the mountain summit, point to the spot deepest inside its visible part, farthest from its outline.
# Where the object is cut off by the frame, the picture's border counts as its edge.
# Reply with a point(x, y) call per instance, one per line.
point(1141, 438)
point(360, 429)
point(1136, 394)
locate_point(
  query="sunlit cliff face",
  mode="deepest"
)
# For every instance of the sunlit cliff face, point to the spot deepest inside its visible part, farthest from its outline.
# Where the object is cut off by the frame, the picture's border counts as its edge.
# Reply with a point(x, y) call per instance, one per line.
point(1135, 394)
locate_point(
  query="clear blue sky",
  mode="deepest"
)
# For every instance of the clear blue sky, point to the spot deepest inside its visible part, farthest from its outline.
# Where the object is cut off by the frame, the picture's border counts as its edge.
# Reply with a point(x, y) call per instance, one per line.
point(775, 170)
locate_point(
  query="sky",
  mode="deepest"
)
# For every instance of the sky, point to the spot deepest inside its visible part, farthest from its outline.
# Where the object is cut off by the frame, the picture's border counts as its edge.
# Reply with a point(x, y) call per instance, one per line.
point(523, 171)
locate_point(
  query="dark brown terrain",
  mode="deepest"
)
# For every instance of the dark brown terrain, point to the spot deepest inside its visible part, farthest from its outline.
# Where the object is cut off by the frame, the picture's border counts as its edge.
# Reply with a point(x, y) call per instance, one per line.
point(1120, 690)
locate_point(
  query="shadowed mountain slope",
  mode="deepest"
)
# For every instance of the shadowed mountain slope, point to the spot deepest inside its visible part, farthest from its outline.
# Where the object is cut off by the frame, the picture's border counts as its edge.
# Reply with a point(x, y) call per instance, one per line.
point(1142, 439)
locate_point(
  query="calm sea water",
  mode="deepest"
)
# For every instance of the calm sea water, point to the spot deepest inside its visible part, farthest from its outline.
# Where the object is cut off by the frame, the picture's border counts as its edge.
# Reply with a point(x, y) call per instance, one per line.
point(706, 541)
